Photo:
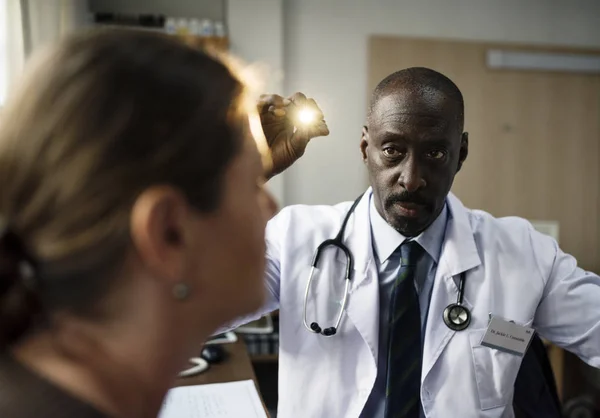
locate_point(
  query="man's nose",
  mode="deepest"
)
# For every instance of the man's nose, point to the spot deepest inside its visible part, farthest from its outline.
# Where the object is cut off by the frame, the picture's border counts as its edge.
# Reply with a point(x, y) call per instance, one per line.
point(411, 177)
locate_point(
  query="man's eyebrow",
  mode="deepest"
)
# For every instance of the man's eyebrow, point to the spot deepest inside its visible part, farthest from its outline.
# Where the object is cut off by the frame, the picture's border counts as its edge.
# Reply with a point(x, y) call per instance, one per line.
point(394, 136)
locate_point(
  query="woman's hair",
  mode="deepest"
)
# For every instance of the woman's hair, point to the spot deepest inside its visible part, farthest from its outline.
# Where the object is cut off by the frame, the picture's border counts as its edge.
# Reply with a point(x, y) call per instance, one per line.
point(100, 118)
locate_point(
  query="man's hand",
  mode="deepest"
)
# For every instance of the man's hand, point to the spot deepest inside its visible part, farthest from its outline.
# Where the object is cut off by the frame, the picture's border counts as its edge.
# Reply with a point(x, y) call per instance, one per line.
point(286, 136)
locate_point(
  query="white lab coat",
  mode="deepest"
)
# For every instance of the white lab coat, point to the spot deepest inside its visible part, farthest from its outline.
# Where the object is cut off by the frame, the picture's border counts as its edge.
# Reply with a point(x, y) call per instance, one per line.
point(513, 272)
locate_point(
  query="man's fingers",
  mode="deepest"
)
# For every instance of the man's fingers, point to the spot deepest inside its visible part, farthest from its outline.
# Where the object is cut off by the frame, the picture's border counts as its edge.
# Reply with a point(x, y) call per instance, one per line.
point(271, 99)
point(266, 101)
point(318, 129)
point(303, 135)
point(276, 105)
point(301, 101)
point(315, 107)
point(298, 99)
point(321, 129)
point(277, 111)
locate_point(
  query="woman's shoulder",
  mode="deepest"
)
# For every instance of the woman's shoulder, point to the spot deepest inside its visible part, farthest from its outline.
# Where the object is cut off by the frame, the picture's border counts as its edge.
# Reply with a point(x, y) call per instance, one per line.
point(25, 394)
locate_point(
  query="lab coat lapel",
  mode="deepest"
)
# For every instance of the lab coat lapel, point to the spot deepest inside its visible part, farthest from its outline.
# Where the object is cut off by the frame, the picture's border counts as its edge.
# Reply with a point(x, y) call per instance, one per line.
point(363, 304)
point(459, 254)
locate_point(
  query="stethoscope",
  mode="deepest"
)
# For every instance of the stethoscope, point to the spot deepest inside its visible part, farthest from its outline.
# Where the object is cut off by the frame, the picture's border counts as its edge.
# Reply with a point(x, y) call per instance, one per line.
point(456, 316)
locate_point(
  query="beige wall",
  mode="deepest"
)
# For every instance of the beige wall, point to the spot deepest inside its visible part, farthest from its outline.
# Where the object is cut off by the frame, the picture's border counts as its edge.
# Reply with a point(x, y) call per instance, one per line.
point(326, 56)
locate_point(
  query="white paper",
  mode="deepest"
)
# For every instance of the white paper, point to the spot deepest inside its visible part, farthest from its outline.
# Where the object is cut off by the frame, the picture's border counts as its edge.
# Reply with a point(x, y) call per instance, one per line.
point(219, 400)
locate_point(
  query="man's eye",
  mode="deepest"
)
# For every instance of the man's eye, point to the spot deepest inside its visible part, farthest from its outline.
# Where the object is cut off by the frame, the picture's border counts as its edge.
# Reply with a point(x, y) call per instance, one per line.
point(436, 154)
point(390, 152)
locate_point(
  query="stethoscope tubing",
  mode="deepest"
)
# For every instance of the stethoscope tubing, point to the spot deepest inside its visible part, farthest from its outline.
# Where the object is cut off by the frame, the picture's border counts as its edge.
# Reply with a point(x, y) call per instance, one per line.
point(456, 316)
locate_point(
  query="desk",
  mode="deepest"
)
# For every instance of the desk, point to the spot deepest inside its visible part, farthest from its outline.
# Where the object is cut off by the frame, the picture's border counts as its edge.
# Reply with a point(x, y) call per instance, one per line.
point(237, 366)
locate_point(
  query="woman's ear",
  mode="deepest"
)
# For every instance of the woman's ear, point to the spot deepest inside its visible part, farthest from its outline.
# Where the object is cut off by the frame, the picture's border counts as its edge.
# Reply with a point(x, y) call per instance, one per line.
point(157, 225)
point(364, 143)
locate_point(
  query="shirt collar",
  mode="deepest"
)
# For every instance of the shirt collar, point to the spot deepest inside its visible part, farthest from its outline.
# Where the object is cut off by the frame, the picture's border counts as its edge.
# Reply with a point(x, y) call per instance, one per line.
point(386, 239)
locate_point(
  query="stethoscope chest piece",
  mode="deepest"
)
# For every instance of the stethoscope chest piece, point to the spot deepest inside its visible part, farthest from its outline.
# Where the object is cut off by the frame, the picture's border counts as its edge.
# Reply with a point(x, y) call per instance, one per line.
point(457, 317)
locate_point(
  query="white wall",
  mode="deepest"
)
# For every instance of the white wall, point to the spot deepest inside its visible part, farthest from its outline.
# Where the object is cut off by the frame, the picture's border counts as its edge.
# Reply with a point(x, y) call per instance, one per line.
point(45, 21)
point(12, 51)
point(256, 36)
point(326, 51)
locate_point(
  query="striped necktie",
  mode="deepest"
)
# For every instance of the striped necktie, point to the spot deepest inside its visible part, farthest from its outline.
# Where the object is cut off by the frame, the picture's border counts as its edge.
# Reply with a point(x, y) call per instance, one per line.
point(403, 383)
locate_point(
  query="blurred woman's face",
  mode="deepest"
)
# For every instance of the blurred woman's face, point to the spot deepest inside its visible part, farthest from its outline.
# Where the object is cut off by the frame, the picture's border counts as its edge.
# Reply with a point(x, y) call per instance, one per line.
point(233, 257)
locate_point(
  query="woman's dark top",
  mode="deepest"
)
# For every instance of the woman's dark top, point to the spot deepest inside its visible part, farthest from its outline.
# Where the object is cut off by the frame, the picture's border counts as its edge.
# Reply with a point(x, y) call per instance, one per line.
point(24, 394)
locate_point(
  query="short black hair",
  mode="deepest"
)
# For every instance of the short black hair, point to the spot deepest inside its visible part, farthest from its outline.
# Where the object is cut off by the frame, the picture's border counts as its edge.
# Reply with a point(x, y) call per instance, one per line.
point(420, 79)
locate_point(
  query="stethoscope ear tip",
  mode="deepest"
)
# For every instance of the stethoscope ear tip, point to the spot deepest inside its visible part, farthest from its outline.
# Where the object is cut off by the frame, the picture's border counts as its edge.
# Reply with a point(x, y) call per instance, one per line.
point(328, 332)
point(315, 327)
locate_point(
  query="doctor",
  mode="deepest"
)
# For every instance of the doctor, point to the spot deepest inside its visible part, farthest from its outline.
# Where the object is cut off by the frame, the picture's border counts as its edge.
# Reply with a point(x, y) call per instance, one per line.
point(397, 350)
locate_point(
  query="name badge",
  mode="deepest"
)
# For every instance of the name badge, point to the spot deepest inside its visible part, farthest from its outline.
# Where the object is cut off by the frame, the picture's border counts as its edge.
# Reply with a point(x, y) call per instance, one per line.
point(507, 336)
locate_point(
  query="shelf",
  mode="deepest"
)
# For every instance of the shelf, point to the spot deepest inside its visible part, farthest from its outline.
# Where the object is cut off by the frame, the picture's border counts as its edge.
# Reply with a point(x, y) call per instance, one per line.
point(217, 43)
point(220, 44)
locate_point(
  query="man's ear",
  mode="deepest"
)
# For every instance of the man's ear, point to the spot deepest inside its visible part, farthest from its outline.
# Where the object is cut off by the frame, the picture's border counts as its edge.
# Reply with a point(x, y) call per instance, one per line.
point(364, 143)
point(464, 150)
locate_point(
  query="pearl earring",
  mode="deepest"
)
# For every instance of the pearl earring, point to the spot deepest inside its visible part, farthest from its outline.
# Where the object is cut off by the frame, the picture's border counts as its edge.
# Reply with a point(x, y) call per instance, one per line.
point(181, 291)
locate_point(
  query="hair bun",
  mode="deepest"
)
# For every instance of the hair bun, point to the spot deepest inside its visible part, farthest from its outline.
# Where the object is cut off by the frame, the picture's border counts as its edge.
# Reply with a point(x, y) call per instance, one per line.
point(19, 301)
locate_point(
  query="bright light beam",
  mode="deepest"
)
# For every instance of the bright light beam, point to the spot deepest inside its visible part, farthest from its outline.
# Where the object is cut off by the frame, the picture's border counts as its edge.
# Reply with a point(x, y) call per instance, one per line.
point(306, 116)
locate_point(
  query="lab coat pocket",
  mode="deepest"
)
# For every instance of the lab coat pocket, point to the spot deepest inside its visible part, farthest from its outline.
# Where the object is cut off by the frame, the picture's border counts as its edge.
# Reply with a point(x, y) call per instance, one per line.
point(495, 372)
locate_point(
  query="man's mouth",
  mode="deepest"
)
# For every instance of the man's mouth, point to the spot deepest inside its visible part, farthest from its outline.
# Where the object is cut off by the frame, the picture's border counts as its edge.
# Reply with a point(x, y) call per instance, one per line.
point(410, 209)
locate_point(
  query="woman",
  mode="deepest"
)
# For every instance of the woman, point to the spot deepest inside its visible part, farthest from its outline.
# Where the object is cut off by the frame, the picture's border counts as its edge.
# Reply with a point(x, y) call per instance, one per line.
point(133, 223)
